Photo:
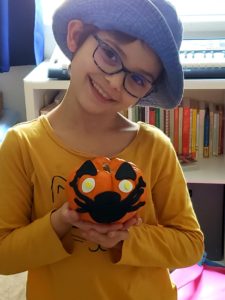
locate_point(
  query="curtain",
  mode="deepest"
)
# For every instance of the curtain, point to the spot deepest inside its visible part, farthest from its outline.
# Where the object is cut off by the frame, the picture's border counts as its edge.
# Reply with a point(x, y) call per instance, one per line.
point(4, 36)
point(21, 33)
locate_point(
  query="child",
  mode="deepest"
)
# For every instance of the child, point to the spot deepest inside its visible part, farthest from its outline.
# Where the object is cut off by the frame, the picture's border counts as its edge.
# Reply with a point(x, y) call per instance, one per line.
point(122, 52)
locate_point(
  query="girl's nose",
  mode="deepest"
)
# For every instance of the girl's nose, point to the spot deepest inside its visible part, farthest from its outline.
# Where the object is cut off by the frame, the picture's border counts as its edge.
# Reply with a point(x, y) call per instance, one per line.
point(116, 80)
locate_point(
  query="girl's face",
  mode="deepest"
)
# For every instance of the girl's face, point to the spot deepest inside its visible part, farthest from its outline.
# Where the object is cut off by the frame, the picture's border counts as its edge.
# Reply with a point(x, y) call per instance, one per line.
point(108, 75)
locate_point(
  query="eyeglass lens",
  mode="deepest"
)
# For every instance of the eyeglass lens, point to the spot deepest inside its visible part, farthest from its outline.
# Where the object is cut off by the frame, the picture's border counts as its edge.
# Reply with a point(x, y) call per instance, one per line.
point(108, 60)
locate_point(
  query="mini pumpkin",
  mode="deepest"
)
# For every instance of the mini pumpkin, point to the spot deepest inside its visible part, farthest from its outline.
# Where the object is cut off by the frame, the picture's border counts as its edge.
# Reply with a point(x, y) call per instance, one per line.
point(106, 190)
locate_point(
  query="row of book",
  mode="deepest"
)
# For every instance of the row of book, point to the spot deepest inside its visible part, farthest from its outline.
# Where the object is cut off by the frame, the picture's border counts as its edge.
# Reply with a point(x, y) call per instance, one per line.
point(196, 128)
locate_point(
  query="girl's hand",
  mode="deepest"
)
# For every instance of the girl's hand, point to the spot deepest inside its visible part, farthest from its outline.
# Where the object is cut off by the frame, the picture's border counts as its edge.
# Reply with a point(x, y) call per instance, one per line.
point(107, 235)
point(64, 218)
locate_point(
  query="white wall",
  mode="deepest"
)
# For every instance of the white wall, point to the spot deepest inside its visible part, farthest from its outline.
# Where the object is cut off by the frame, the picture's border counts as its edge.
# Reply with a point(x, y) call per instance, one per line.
point(49, 41)
point(11, 84)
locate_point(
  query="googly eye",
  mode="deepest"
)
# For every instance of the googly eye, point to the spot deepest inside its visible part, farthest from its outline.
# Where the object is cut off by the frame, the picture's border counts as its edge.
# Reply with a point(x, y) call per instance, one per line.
point(88, 185)
point(125, 186)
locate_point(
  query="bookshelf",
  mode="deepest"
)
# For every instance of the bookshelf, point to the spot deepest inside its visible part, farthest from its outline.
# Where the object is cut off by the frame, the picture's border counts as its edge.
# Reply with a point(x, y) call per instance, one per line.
point(207, 170)
point(204, 171)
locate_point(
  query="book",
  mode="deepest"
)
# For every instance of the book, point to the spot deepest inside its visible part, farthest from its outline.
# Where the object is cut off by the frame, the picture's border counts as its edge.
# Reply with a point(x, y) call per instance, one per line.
point(48, 108)
point(190, 139)
point(180, 129)
point(211, 130)
point(193, 132)
point(161, 123)
point(130, 113)
point(59, 96)
point(176, 129)
point(52, 99)
point(188, 127)
point(171, 132)
point(186, 130)
point(215, 142)
point(221, 125)
point(48, 97)
point(142, 113)
point(197, 137)
point(136, 113)
point(201, 128)
point(152, 116)
point(157, 117)
point(147, 114)
point(167, 122)
point(206, 134)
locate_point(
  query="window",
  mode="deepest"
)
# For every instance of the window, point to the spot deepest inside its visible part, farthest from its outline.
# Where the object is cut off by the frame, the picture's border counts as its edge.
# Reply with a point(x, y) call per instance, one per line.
point(199, 7)
point(49, 6)
point(184, 8)
point(200, 18)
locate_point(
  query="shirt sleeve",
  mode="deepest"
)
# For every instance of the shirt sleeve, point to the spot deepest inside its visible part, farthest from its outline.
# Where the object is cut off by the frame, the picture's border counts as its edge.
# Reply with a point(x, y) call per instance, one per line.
point(176, 240)
point(24, 244)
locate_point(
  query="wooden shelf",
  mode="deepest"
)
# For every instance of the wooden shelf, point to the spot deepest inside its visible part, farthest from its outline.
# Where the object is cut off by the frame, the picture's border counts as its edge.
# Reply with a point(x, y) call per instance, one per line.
point(39, 79)
point(204, 84)
point(210, 170)
point(206, 170)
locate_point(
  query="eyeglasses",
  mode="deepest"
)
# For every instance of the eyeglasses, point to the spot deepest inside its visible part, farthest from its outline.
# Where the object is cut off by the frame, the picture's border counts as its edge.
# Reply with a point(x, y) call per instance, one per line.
point(110, 63)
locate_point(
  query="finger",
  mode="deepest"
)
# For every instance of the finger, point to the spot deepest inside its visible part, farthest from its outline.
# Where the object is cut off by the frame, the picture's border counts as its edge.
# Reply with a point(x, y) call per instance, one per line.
point(104, 228)
point(107, 241)
point(139, 221)
point(101, 228)
point(120, 234)
point(70, 216)
point(83, 225)
point(131, 222)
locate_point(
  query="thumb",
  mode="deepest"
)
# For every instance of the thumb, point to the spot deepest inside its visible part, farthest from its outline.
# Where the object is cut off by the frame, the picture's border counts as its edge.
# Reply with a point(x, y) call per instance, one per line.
point(69, 215)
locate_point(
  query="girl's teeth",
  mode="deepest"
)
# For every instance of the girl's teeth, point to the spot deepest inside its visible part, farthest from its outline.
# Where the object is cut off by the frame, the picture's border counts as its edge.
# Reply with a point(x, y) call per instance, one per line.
point(100, 91)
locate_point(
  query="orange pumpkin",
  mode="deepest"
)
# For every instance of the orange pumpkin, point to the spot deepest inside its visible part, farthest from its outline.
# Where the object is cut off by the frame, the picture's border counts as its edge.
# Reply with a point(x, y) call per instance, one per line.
point(106, 190)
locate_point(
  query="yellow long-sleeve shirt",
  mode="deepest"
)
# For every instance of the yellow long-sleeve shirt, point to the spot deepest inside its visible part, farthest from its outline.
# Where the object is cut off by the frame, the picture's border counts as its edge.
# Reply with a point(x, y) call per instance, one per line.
point(33, 166)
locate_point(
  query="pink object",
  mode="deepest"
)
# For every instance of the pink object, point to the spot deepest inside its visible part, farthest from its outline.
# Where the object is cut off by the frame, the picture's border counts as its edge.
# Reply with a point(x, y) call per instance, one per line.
point(200, 282)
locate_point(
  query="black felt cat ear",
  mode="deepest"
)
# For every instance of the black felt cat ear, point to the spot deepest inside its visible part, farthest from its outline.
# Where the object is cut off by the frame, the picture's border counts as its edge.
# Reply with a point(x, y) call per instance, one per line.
point(125, 171)
point(88, 168)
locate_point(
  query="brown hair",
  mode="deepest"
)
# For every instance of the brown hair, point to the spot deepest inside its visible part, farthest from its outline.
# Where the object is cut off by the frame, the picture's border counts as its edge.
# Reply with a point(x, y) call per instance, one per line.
point(122, 37)
point(118, 35)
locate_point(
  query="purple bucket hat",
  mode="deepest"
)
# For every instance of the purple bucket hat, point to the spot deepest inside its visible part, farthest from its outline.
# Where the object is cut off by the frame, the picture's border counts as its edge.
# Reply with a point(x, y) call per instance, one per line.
point(155, 22)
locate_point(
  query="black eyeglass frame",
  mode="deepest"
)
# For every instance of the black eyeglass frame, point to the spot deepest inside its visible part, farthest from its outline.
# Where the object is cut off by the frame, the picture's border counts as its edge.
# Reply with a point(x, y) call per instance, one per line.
point(123, 69)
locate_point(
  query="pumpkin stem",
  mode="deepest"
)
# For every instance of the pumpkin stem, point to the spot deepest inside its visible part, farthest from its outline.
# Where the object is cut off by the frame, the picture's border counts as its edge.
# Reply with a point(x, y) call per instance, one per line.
point(106, 167)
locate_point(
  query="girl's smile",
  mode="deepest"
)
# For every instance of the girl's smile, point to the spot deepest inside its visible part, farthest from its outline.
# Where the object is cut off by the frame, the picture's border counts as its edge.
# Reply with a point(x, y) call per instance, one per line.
point(100, 93)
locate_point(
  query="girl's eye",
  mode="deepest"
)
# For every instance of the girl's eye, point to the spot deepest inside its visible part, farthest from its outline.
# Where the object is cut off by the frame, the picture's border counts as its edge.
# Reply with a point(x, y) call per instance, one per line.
point(88, 185)
point(125, 186)
point(109, 55)
point(138, 79)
